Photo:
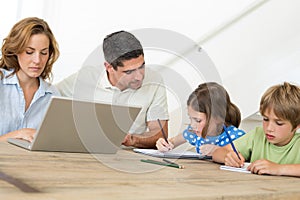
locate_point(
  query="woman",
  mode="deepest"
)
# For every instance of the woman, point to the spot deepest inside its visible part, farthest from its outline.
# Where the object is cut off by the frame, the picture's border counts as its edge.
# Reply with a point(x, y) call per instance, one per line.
point(28, 54)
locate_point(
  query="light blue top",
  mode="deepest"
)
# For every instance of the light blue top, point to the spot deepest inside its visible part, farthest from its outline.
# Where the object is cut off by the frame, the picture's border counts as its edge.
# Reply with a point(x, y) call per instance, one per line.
point(219, 140)
point(12, 104)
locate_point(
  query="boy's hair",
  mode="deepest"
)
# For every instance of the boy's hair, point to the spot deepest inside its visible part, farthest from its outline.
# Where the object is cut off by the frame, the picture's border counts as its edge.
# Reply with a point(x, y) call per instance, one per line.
point(16, 41)
point(213, 100)
point(284, 100)
point(120, 46)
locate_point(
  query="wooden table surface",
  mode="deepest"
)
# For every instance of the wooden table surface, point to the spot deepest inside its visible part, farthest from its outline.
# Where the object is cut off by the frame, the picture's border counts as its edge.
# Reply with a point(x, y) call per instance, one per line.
point(55, 175)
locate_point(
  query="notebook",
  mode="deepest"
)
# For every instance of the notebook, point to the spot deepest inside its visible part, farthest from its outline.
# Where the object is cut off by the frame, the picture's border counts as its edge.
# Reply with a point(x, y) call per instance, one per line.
point(171, 154)
point(236, 169)
point(71, 125)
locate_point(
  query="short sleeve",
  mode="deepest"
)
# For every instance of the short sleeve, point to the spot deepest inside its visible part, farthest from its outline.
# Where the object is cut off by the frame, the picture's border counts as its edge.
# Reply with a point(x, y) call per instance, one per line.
point(245, 144)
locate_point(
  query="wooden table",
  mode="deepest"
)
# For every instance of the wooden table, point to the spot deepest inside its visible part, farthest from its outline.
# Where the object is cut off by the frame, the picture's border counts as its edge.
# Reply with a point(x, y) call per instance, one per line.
point(54, 175)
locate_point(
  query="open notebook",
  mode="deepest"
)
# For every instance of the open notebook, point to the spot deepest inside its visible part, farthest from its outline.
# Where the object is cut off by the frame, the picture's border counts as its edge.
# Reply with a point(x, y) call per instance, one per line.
point(236, 169)
point(171, 154)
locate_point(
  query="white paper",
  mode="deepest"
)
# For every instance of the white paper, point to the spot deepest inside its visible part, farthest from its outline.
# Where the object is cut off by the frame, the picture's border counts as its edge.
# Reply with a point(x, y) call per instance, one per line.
point(170, 154)
point(237, 169)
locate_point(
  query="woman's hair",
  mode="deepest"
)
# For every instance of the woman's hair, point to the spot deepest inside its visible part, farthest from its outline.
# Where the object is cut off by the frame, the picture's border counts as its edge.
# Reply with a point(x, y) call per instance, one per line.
point(213, 100)
point(284, 100)
point(16, 41)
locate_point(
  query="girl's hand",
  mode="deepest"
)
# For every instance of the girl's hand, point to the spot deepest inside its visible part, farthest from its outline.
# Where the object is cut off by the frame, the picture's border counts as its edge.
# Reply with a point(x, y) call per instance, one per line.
point(208, 149)
point(163, 146)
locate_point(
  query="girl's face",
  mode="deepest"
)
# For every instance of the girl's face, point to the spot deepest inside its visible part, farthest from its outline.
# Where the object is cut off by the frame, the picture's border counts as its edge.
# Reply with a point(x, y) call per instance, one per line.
point(197, 119)
point(278, 131)
point(34, 58)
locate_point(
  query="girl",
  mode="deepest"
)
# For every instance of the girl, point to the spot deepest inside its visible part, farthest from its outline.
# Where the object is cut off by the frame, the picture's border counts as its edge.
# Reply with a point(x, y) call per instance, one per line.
point(209, 109)
point(28, 53)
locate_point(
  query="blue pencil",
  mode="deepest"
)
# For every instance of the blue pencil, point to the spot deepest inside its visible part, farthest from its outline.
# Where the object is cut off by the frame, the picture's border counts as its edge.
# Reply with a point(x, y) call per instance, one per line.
point(232, 145)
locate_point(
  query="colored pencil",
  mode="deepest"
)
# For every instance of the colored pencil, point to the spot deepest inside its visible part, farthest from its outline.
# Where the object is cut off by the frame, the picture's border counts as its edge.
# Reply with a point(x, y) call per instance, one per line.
point(162, 163)
point(163, 132)
point(230, 140)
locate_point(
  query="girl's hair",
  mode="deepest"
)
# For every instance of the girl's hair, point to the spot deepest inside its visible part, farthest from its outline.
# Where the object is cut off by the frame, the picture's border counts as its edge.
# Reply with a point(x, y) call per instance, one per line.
point(16, 41)
point(284, 100)
point(213, 100)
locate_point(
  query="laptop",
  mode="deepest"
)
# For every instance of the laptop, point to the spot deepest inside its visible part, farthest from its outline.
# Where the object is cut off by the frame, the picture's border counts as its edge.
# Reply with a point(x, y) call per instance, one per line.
point(81, 126)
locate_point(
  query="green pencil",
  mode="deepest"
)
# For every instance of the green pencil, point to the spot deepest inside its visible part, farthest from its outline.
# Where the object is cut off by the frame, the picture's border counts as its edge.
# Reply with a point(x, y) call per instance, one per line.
point(163, 163)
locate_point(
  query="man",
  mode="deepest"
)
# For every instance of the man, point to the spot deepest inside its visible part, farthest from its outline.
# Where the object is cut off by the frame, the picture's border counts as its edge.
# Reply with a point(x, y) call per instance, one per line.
point(127, 81)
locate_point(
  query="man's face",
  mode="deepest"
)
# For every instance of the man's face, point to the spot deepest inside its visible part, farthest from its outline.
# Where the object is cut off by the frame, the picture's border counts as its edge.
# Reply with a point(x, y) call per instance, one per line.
point(131, 75)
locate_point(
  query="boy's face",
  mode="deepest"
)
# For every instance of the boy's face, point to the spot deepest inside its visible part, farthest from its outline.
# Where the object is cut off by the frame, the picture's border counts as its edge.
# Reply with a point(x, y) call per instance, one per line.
point(278, 131)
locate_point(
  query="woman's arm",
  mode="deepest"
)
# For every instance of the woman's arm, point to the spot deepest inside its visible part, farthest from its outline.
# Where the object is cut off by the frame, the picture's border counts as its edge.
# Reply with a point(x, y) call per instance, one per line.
point(25, 134)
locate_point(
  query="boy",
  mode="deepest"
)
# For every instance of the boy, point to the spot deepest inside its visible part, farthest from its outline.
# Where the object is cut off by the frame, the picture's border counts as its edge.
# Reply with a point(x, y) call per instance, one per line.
point(273, 149)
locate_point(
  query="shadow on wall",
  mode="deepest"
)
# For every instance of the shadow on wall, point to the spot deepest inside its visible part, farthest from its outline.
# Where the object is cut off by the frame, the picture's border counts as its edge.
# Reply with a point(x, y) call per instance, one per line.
point(251, 122)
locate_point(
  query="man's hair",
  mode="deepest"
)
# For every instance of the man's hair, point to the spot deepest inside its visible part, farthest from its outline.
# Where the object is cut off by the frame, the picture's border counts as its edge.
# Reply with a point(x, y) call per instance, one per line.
point(284, 100)
point(120, 46)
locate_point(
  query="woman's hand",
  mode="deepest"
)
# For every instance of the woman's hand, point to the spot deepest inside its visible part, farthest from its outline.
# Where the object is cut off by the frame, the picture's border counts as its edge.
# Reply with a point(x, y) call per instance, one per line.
point(25, 134)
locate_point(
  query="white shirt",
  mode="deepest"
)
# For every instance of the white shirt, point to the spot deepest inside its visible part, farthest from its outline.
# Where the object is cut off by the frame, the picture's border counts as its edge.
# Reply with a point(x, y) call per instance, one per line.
point(92, 83)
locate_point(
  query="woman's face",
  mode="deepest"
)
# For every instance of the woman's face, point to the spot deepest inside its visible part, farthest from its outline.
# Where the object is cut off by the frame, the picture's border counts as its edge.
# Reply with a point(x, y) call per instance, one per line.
point(33, 59)
point(197, 120)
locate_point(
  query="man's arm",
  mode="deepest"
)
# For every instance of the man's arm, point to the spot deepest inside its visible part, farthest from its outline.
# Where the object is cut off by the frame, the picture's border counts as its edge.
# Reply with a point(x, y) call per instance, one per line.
point(147, 139)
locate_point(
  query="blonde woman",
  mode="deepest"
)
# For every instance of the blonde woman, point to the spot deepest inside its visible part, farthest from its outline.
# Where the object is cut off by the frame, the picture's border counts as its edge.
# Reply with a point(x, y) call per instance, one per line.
point(28, 54)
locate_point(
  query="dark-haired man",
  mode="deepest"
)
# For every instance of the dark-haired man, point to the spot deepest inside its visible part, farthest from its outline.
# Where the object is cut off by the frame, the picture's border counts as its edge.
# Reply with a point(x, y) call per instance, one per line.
point(126, 80)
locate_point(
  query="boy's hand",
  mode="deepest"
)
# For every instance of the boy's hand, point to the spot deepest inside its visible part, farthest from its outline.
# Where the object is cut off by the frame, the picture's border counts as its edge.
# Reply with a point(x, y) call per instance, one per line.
point(264, 167)
point(231, 159)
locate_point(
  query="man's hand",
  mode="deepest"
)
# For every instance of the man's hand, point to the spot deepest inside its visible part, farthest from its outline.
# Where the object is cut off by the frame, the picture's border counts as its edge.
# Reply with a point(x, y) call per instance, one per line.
point(128, 140)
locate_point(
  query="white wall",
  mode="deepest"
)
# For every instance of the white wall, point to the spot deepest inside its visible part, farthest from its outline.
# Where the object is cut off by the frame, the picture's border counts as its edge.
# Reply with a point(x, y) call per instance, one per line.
point(252, 53)
point(259, 50)
point(81, 25)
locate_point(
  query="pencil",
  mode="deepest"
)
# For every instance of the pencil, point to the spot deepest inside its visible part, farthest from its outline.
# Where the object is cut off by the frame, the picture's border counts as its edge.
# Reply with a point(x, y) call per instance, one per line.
point(168, 161)
point(232, 145)
point(162, 163)
point(163, 132)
